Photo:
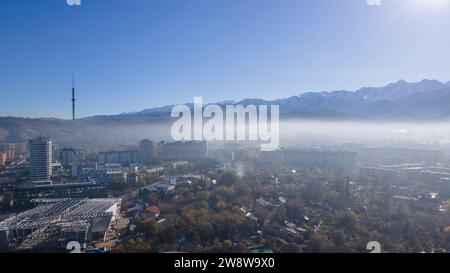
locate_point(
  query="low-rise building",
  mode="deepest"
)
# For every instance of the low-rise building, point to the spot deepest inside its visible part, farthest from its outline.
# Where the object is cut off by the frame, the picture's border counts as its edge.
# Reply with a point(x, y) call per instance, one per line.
point(49, 189)
point(81, 220)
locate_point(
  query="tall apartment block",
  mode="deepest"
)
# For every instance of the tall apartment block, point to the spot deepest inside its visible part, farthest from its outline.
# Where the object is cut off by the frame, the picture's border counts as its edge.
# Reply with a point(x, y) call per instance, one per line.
point(145, 152)
point(41, 156)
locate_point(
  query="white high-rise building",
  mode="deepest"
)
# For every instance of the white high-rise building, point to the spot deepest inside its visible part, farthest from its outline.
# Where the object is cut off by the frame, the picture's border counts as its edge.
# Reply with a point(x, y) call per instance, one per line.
point(41, 157)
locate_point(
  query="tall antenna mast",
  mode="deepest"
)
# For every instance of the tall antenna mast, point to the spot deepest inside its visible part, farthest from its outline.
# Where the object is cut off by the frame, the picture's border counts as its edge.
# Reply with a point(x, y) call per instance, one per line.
point(73, 96)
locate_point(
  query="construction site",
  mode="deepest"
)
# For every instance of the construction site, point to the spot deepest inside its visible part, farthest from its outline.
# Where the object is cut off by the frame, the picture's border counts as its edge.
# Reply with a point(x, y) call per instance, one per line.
point(52, 223)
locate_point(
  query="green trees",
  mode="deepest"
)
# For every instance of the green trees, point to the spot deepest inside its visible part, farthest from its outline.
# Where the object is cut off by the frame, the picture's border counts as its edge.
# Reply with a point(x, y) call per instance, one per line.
point(228, 178)
point(7, 200)
point(166, 234)
point(295, 208)
point(349, 221)
point(318, 243)
point(138, 245)
point(314, 191)
point(341, 216)
point(148, 227)
point(149, 197)
point(119, 184)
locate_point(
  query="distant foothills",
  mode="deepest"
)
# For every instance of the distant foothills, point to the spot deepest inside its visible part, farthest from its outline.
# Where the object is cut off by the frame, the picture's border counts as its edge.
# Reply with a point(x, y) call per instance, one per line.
point(424, 101)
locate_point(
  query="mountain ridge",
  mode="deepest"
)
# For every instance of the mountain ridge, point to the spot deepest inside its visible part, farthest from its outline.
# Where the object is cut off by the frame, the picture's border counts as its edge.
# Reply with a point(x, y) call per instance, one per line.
point(391, 92)
point(424, 101)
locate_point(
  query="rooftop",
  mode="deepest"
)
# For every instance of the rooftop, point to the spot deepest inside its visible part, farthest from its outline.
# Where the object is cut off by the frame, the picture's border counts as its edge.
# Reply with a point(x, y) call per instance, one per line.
point(63, 213)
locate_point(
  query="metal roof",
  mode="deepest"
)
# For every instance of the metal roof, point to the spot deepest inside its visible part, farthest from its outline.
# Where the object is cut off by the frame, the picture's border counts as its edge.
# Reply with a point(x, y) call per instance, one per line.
point(63, 213)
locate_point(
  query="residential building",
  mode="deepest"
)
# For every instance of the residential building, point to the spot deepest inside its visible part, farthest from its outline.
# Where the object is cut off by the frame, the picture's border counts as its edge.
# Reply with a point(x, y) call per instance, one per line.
point(145, 152)
point(191, 150)
point(118, 157)
point(41, 157)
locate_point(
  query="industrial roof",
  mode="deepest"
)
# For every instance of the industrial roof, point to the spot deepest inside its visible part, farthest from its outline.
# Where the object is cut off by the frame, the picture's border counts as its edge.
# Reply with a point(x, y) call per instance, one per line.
point(63, 213)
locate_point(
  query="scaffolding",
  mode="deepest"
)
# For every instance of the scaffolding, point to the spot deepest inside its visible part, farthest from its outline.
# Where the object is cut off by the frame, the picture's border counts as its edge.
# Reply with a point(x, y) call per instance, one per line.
point(59, 216)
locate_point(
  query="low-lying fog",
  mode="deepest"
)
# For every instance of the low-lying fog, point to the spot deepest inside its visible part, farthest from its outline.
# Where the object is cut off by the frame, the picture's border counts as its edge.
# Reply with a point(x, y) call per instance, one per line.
point(325, 133)
point(298, 133)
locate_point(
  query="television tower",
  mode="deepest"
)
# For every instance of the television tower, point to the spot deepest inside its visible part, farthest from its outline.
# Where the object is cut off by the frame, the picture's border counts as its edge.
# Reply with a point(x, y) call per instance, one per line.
point(73, 96)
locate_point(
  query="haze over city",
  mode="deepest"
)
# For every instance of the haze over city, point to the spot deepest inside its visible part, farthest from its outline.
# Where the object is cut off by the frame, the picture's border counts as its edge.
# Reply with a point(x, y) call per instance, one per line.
point(191, 127)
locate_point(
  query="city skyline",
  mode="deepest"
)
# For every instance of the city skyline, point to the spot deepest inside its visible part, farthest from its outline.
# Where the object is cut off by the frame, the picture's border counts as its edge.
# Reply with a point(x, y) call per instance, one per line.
point(133, 56)
point(248, 127)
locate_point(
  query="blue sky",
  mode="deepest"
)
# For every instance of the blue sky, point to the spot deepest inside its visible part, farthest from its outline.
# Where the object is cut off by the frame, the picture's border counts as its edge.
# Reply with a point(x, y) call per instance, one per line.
point(130, 55)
